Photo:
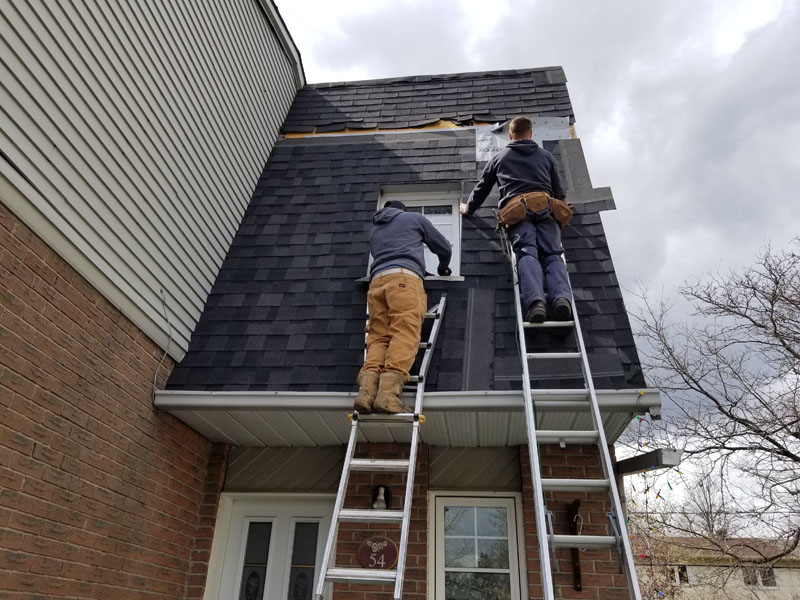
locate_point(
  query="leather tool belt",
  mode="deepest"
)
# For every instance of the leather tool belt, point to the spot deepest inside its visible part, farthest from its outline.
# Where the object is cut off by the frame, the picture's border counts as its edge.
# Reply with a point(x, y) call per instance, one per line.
point(514, 210)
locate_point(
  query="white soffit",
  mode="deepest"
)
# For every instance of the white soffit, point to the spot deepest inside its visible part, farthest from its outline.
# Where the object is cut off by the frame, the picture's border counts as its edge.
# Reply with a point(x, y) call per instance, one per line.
point(472, 419)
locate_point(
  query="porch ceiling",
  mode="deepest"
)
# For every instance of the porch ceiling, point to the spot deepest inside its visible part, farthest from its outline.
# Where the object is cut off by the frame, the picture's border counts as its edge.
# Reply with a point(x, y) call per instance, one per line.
point(464, 419)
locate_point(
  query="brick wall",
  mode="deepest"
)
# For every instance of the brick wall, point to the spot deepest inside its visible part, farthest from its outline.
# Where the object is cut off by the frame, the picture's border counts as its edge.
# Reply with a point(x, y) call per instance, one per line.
point(100, 496)
point(600, 574)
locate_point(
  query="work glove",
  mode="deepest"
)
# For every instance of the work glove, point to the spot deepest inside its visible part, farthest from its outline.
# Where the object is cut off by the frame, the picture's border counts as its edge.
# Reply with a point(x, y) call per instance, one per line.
point(444, 271)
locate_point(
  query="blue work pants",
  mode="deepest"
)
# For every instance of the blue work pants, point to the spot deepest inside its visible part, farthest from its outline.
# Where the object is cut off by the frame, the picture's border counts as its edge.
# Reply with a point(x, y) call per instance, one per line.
point(537, 244)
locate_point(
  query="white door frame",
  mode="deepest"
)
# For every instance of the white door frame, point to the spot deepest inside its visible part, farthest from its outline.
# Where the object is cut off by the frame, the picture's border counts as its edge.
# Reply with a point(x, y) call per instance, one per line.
point(522, 566)
point(258, 505)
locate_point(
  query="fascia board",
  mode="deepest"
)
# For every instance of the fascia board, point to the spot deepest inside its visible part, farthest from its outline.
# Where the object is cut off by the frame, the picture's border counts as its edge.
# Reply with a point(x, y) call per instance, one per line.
point(636, 401)
point(285, 39)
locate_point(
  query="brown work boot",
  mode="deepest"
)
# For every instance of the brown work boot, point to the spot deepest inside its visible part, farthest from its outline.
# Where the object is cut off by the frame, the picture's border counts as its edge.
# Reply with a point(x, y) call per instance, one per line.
point(388, 399)
point(367, 388)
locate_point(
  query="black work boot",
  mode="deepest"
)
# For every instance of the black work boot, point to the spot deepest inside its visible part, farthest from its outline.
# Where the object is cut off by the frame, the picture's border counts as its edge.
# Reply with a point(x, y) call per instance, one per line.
point(536, 312)
point(562, 309)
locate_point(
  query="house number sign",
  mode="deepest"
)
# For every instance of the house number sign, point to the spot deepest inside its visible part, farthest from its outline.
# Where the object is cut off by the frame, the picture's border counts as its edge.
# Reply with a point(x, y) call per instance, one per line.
point(377, 552)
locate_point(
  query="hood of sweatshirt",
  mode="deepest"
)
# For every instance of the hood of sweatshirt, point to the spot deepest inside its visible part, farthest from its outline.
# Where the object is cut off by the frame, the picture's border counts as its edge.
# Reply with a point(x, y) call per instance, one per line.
point(385, 215)
point(526, 147)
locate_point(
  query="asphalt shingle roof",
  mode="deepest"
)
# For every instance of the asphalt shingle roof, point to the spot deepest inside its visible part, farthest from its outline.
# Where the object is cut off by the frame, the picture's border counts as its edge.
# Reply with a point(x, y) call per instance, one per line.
point(287, 310)
point(416, 101)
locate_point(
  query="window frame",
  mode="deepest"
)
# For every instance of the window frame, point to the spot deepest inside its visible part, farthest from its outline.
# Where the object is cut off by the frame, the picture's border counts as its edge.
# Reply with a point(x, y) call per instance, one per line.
point(677, 571)
point(517, 561)
point(758, 572)
point(432, 197)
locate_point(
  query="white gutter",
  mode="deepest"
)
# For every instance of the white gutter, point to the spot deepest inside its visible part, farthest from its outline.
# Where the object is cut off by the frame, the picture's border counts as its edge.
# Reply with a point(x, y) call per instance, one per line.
point(636, 401)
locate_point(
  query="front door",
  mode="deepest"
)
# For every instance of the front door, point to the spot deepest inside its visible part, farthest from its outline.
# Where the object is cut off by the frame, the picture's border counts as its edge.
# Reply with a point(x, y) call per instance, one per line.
point(268, 547)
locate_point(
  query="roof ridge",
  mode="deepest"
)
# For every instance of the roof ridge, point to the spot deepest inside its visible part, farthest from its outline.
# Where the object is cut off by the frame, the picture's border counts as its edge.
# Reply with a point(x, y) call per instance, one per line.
point(437, 77)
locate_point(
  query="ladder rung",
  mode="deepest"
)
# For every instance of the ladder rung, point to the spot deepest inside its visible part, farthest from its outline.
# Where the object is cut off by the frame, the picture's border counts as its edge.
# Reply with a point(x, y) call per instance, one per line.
point(562, 394)
point(379, 419)
point(432, 314)
point(378, 464)
point(359, 515)
point(584, 541)
point(423, 345)
point(533, 355)
point(413, 379)
point(360, 575)
point(575, 485)
point(568, 437)
point(548, 324)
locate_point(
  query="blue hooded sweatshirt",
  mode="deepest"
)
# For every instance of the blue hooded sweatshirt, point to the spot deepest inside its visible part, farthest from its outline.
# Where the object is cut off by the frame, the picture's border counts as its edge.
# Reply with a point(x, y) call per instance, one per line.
point(520, 167)
point(397, 237)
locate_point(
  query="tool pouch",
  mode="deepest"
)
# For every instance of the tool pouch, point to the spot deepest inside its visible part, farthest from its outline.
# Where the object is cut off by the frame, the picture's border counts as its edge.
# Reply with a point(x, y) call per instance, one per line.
point(561, 211)
point(514, 210)
point(512, 213)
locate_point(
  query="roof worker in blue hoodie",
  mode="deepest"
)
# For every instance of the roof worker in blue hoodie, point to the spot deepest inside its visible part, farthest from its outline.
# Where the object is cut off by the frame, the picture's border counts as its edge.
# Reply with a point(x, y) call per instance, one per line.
point(531, 201)
point(397, 304)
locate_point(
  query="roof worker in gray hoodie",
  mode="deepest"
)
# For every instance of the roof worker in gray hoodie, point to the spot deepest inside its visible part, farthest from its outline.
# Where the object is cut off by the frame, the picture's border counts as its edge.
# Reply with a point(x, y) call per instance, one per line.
point(531, 197)
point(397, 304)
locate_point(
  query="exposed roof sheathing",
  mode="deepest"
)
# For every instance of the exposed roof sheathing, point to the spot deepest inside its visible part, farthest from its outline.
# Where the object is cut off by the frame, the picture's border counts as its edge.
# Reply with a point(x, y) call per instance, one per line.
point(419, 101)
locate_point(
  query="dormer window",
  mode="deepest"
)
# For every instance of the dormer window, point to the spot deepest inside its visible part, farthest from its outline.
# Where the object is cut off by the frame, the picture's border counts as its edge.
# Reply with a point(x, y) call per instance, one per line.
point(441, 209)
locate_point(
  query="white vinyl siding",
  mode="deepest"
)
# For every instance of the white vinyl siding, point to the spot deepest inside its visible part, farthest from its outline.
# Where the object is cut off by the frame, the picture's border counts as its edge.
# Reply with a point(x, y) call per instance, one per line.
point(134, 134)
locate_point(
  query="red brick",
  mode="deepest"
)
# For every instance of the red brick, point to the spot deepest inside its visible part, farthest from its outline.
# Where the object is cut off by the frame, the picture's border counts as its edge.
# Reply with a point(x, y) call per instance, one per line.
point(111, 499)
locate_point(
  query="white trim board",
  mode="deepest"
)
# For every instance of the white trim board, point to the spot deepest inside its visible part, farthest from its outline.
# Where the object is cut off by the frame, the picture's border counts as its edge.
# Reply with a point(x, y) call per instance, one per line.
point(637, 400)
point(454, 419)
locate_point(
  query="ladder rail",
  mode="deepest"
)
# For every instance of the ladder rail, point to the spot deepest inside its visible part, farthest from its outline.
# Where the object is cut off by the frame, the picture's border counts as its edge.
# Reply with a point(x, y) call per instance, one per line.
point(608, 469)
point(412, 457)
point(333, 532)
point(617, 523)
point(328, 559)
point(530, 420)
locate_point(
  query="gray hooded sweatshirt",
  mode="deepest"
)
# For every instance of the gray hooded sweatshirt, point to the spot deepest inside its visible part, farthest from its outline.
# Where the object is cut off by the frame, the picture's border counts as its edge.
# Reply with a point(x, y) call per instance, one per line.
point(520, 167)
point(397, 237)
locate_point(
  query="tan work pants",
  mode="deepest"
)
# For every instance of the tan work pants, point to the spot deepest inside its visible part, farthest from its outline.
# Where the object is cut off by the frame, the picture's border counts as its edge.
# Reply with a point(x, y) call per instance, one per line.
point(397, 305)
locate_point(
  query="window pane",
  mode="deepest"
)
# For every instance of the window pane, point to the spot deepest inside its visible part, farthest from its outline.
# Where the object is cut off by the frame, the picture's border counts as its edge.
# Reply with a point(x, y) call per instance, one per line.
point(768, 577)
point(750, 575)
point(257, 548)
point(253, 583)
point(459, 520)
point(492, 554)
point(416, 209)
point(256, 554)
point(683, 574)
point(444, 209)
point(459, 552)
point(477, 586)
point(492, 521)
point(304, 557)
point(301, 580)
point(304, 551)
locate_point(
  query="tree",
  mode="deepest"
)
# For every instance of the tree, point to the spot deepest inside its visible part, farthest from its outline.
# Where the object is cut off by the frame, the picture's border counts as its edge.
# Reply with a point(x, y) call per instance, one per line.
point(733, 379)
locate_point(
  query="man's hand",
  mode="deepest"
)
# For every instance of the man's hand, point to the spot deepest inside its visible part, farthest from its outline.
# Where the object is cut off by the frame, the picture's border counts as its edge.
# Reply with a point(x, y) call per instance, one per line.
point(462, 208)
point(444, 271)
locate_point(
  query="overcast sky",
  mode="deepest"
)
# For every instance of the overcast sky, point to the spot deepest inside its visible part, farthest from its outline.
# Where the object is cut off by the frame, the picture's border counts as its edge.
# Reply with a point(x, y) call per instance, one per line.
point(689, 111)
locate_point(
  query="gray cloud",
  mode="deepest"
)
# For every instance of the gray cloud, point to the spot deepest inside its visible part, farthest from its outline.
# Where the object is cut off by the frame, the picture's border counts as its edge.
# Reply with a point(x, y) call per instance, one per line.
point(699, 146)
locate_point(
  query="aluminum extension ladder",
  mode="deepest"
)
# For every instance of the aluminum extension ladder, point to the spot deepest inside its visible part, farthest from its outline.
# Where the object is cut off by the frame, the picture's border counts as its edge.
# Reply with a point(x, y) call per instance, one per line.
point(585, 398)
point(330, 572)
